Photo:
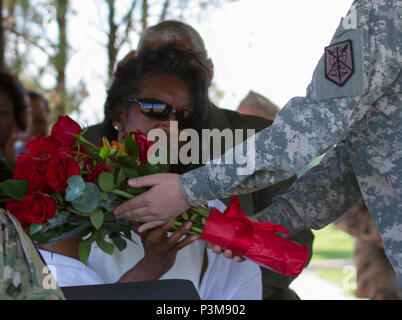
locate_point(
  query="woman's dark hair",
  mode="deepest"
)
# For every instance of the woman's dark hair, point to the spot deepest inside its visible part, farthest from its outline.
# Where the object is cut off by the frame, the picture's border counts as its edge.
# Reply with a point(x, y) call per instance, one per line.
point(14, 91)
point(131, 76)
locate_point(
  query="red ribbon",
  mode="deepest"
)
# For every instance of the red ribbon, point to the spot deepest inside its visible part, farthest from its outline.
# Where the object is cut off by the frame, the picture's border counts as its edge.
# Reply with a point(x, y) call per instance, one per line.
point(257, 241)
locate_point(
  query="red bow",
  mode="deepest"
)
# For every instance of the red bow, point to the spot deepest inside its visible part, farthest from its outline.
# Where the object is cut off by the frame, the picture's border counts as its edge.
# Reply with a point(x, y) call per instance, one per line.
point(258, 241)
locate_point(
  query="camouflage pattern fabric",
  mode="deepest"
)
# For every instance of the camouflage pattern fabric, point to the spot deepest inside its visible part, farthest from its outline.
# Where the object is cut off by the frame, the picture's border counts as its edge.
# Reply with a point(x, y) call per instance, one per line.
point(362, 118)
point(23, 275)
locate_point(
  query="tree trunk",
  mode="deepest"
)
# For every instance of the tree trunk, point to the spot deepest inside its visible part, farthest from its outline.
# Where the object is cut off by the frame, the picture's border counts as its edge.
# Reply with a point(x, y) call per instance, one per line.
point(2, 39)
point(60, 63)
point(144, 18)
point(111, 48)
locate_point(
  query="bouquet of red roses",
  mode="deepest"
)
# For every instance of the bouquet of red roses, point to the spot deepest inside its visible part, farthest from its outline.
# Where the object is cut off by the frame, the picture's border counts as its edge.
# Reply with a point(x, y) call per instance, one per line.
point(65, 186)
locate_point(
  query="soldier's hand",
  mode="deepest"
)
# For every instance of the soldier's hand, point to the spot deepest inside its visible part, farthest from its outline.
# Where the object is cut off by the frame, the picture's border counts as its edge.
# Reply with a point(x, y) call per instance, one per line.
point(162, 203)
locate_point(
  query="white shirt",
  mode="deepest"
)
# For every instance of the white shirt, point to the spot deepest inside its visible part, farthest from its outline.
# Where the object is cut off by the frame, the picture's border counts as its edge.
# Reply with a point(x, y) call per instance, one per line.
point(224, 279)
point(68, 271)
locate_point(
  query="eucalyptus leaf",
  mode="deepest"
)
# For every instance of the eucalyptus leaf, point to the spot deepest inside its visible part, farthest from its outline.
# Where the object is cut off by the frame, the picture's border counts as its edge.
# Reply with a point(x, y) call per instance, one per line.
point(89, 200)
point(59, 219)
point(76, 187)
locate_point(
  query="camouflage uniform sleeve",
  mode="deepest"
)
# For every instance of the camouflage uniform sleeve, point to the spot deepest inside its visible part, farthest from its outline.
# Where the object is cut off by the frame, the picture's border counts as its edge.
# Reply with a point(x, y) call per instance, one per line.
point(321, 195)
point(23, 274)
point(309, 126)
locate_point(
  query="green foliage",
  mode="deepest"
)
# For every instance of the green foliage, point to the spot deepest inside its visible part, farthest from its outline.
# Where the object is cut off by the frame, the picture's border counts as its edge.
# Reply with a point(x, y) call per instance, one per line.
point(16, 189)
point(97, 218)
point(106, 181)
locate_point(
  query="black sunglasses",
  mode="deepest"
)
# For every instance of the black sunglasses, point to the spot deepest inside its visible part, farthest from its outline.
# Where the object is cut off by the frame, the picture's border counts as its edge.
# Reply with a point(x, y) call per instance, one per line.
point(162, 111)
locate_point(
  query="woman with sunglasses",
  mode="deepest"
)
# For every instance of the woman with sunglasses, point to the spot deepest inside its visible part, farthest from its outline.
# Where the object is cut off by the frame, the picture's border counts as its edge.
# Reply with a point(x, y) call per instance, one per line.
point(148, 92)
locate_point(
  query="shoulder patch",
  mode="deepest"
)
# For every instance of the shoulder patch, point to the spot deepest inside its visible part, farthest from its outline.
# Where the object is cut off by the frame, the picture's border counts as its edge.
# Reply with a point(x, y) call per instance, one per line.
point(339, 66)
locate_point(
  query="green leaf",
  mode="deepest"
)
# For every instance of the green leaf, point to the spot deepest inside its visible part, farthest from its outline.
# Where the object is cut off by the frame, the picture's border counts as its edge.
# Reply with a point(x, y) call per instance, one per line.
point(119, 242)
point(106, 181)
point(97, 218)
point(121, 177)
point(132, 190)
point(15, 188)
point(84, 249)
point(128, 161)
point(105, 246)
point(104, 153)
point(89, 200)
point(150, 169)
point(131, 173)
point(34, 228)
point(131, 146)
point(123, 194)
point(76, 187)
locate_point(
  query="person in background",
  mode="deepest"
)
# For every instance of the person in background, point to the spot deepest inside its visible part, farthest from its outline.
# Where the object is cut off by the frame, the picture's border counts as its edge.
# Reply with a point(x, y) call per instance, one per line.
point(257, 105)
point(22, 273)
point(40, 115)
point(375, 277)
point(13, 119)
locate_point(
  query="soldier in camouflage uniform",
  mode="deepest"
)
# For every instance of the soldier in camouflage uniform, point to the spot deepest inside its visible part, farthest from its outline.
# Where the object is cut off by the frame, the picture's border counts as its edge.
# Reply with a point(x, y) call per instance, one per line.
point(23, 274)
point(352, 111)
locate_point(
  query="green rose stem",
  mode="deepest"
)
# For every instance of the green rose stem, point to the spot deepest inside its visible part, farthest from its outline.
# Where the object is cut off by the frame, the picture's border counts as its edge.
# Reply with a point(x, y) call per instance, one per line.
point(123, 194)
point(194, 229)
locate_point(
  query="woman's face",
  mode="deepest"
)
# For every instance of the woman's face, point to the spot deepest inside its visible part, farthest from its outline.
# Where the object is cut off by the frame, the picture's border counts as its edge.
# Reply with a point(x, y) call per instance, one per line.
point(166, 88)
point(6, 118)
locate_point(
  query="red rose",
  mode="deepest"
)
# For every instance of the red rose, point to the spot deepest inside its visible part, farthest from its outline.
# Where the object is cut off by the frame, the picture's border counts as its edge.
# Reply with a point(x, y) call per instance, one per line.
point(95, 171)
point(37, 208)
point(61, 167)
point(33, 171)
point(143, 144)
point(62, 130)
point(41, 148)
point(15, 208)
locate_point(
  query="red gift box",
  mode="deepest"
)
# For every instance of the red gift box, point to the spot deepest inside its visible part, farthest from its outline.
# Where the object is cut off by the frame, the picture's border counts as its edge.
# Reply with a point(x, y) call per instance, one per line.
point(257, 241)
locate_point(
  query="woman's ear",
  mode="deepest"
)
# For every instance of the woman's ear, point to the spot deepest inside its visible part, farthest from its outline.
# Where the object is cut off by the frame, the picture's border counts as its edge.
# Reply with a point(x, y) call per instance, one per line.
point(120, 125)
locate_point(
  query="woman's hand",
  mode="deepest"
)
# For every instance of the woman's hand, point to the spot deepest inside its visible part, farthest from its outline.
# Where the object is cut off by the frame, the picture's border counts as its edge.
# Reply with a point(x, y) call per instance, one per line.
point(160, 252)
point(226, 252)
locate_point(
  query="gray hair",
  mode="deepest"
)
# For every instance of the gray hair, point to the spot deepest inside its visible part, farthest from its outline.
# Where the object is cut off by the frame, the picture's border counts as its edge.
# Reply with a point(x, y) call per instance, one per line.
point(171, 31)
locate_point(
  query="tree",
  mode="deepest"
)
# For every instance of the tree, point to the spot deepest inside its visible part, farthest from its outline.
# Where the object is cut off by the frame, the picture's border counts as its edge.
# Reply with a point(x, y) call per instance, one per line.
point(2, 42)
point(28, 28)
point(136, 18)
